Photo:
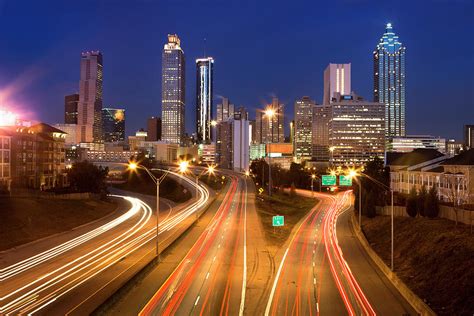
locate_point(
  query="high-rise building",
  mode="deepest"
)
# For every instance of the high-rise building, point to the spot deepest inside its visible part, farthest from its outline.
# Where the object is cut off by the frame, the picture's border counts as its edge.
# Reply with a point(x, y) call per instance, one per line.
point(469, 136)
point(225, 110)
point(204, 99)
point(70, 108)
point(303, 128)
point(271, 129)
point(173, 91)
point(320, 130)
point(337, 79)
point(70, 130)
point(232, 148)
point(153, 129)
point(389, 81)
point(89, 110)
point(356, 130)
point(113, 125)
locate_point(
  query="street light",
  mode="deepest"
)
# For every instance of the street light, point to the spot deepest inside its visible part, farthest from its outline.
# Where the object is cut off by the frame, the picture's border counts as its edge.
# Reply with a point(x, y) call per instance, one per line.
point(331, 149)
point(184, 167)
point(313, 176)
point(133, 166)
point(354, 174)
point(270, 113)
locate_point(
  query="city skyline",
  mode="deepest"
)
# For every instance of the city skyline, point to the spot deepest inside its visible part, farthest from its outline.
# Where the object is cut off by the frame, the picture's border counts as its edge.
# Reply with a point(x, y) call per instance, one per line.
point(144, 99)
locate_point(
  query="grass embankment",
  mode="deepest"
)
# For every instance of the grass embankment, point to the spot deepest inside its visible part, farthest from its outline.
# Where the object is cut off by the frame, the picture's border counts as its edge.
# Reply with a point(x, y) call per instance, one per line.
point(292, 207)
point(433, 257)
point(214, 182)
point(169, 188)
point(27, 219)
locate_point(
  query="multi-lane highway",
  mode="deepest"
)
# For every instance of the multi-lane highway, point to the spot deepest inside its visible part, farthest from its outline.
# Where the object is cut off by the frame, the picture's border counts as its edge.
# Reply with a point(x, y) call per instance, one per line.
point(64, 277)
point(316, 277)
point(211, 279)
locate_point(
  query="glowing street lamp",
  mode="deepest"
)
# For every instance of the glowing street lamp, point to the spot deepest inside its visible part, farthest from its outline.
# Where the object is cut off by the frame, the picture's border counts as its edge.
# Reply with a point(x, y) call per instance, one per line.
point(270, 113)
point(133, 166)
point(183, 166)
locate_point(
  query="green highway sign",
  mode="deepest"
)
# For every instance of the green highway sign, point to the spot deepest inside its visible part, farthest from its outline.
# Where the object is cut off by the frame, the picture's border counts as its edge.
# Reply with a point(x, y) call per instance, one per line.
point(328, 180)
point(278, 220)
point(345, 181)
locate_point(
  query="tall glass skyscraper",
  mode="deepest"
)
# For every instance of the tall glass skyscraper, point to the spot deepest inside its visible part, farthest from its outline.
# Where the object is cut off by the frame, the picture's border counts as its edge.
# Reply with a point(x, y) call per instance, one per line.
point(389, 81)
point(89, 109)
point(172, 91)
point(204, 106)
point(303, 128)
point(113, 124)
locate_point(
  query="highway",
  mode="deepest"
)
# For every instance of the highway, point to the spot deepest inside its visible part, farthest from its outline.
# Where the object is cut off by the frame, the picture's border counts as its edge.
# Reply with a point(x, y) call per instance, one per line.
point(64, 277)
point(314, 276)
point(211, 279)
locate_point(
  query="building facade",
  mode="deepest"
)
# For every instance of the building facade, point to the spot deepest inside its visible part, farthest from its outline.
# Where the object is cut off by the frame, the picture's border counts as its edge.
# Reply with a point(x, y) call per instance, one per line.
point(303, 134)
point(233, 145)
point(469, 136)
point(71, 103)
point(271, 129)
point(5, 160)
point(225, 110)
point(412, 142)
point(153, 129)
point(173, 91)
point(113, 125)
point(337, 79)
point(204, 99)
point(320, 132)
point(389, 81)
point(70, 130)
point(356, 131)
point(89, 110)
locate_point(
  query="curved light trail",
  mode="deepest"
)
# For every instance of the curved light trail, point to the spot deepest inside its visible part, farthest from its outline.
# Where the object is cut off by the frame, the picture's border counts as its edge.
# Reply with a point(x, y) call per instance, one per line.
point(33, 284)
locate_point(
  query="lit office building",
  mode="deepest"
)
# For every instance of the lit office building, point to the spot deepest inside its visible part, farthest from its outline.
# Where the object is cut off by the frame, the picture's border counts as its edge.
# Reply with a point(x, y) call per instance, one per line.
point(89, 110)
point(270, 130)
point(113, 124)
point(172, 91)
point(225, 110)
point(320, 133)
point(356, 130)
point(204, 99)
point(337, 79)
point(469, 136)
point(70, 108)
point(389, 81)
point(302, 137)
point(232, 148)
point(410, 143)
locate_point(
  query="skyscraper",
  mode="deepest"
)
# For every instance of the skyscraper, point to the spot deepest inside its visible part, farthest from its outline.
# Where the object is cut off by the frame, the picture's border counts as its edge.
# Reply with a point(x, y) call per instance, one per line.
point(469, 136)
point(173, 91)
point(303, 128)
point(389, 81)
point(70, 108)
point(153, 129)
point(89, 110)
point(204, 106)
point(113, 124)
point(271, 130)
point(356, 130)
point(320, 130)
point(337, 79)
point(225, 110)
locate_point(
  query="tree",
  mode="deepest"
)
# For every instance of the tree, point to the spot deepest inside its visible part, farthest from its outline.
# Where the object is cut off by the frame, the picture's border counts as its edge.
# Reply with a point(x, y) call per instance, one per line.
point(431, 203)
point(420, 204)
point(411, 203)
point(456, 194)
point(87, 177)
point(369, 205)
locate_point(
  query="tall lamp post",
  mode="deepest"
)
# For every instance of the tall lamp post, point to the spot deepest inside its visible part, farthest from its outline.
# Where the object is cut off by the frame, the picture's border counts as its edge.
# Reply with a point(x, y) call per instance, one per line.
point(355, 174)
point(270, 113)
point(133, 166)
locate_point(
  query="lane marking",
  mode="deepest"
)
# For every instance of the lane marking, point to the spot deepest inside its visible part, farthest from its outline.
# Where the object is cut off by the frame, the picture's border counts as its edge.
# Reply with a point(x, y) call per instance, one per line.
point(244, 275)
point(272, 293)
point(197, 300)
point(207, 276)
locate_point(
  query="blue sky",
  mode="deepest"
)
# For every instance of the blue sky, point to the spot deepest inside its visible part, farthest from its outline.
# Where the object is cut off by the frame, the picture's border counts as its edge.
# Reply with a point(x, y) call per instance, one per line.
point(261, 48)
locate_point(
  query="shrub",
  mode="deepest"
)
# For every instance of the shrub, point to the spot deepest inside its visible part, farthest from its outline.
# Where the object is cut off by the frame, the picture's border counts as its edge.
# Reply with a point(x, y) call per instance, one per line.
point(420, 204)
point(431, 203)
point(411, 203)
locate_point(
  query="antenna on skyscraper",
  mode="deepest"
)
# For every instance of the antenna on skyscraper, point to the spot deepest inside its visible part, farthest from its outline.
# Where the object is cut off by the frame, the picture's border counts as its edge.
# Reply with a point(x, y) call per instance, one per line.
point(205, 47)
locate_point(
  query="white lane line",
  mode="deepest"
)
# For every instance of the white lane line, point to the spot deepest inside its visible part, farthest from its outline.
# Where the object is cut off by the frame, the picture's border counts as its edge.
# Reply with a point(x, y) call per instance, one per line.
point(317, 307)
point(314, 281)
point(207, 276)
point(214, 259)
point(197, 300)
point(272, 293)
point(244, 275)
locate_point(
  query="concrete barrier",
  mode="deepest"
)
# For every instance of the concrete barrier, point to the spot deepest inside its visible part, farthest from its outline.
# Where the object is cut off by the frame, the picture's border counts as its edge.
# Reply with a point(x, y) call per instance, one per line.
point(421, 307)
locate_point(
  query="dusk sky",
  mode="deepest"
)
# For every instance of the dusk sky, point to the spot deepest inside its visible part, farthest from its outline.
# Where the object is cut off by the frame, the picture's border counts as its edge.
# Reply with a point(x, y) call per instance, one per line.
point(260, 49)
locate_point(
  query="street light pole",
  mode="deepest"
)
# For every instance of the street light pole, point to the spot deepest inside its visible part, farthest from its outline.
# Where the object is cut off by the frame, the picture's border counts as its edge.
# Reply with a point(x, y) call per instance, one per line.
point(157, 219)
point(360, 204)
point(391, 255)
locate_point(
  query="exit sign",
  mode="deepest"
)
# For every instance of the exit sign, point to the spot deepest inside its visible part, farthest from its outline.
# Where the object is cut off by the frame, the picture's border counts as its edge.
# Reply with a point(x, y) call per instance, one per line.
point(278, 220)
point(328, 180)
point(345, 181)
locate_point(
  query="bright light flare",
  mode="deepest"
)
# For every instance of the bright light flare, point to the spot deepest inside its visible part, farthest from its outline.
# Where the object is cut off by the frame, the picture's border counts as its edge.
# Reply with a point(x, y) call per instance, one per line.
point(313, 176)
point(132, 166)
point(247, 173)
point(183, 166)
point(211, 169)
point(213, 123)
point(7, 118)
point(270, 112)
